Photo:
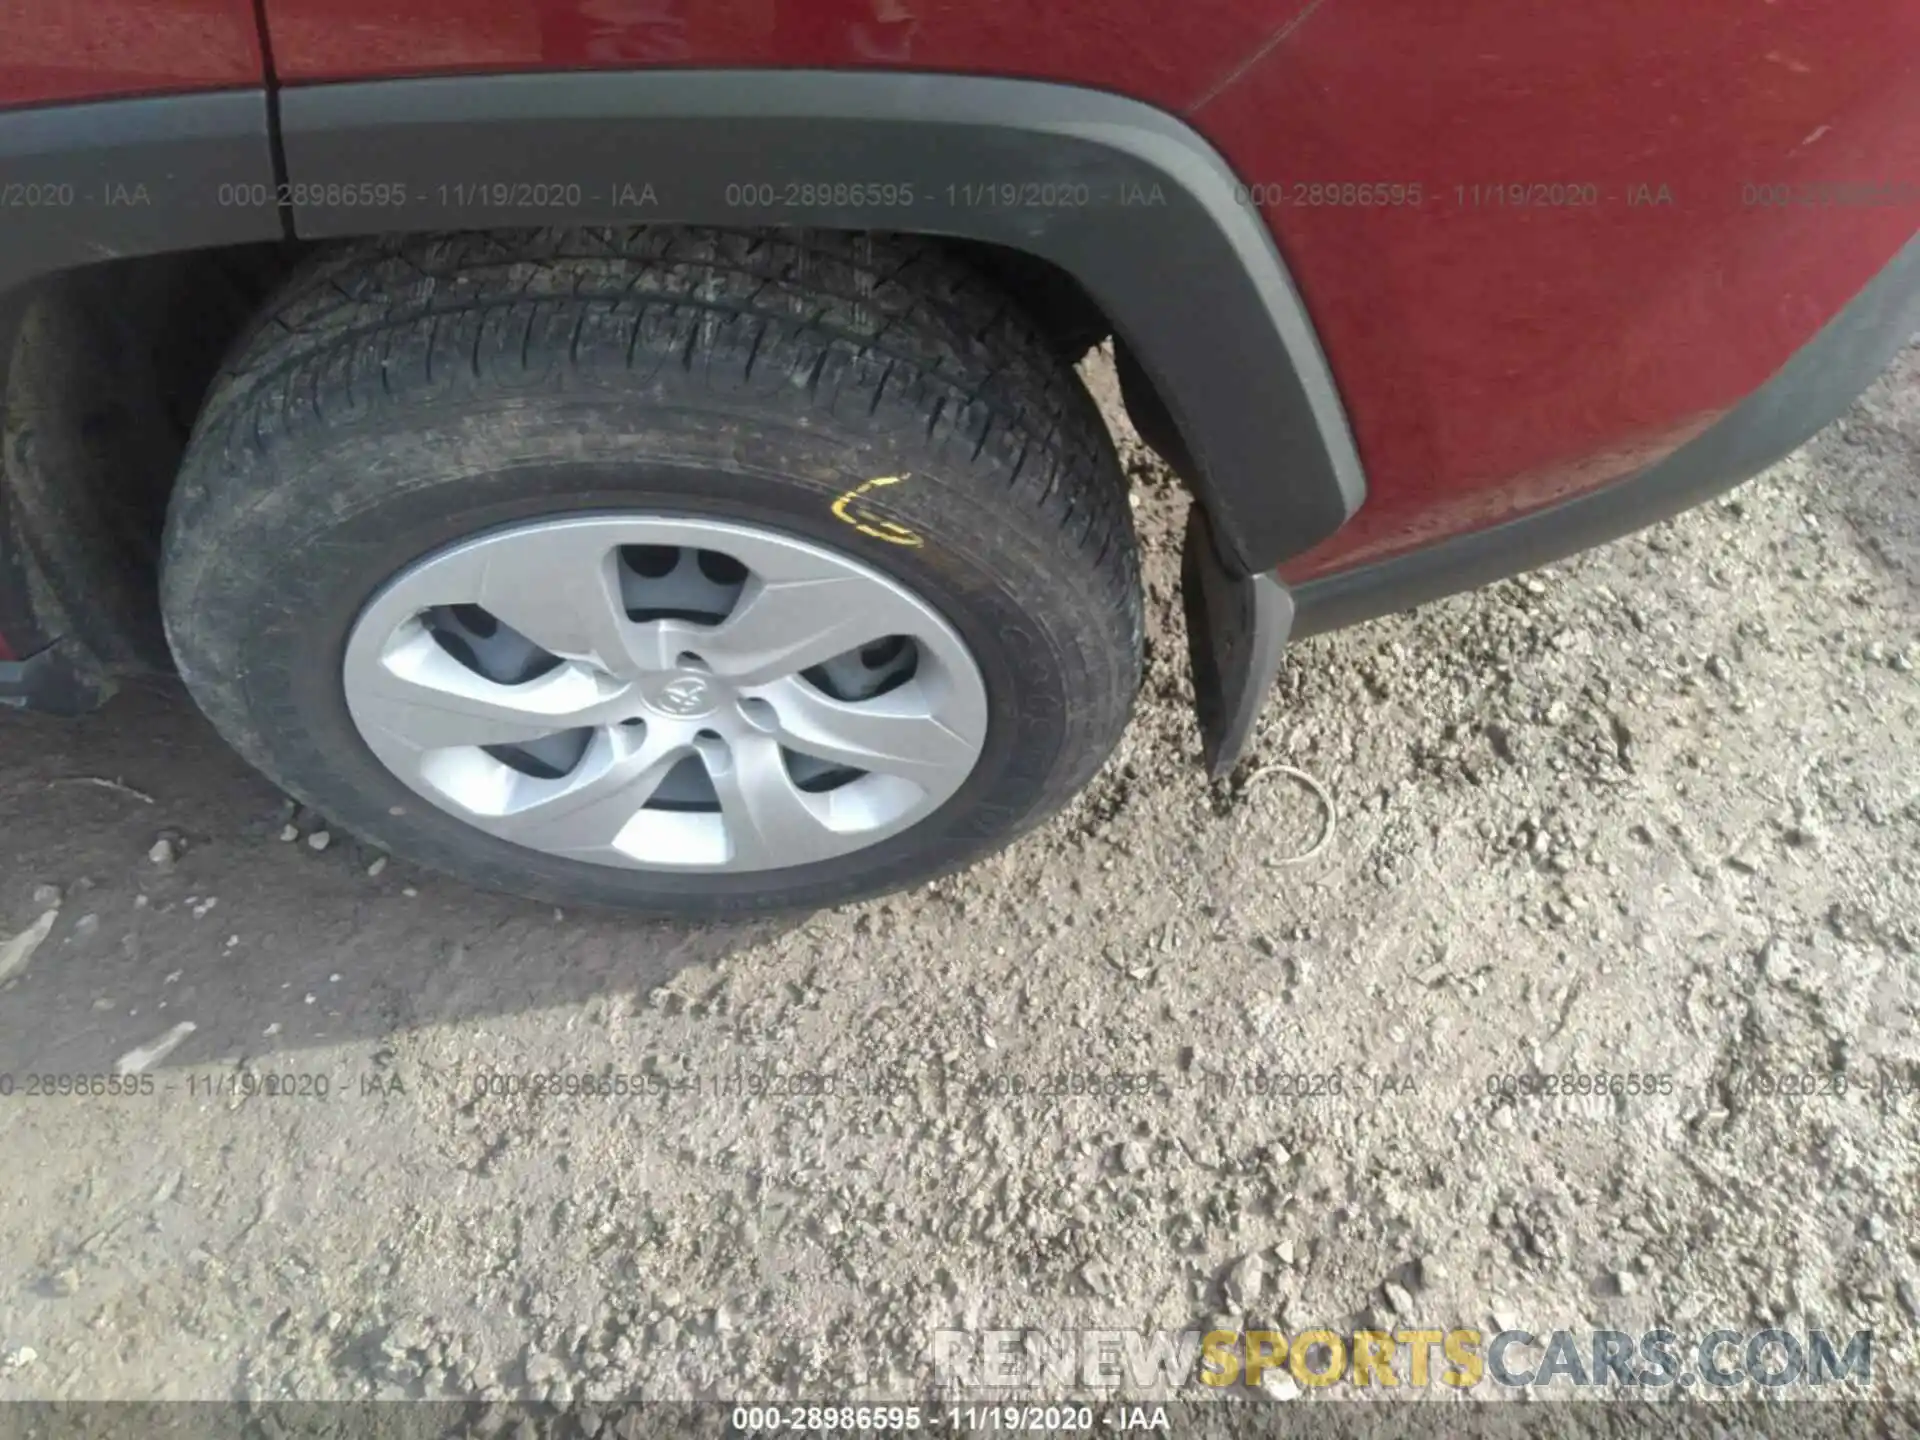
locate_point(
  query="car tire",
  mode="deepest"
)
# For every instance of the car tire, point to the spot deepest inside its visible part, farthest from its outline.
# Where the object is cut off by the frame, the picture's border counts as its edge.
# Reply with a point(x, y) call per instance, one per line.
point(866, 406)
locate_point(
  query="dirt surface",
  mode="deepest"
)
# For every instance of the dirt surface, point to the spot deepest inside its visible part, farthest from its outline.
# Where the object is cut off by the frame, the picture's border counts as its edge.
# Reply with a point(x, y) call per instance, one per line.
point(1652, 813)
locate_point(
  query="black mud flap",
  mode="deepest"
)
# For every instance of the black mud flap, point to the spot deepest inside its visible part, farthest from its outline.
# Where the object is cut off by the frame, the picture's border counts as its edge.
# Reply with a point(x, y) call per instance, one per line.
point(1237, 630)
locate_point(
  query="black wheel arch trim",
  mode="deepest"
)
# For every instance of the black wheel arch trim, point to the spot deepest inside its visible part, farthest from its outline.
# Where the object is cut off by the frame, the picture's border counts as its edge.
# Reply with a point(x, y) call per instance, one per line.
point(108, 179)
point(82, 185)
point(1130, 201)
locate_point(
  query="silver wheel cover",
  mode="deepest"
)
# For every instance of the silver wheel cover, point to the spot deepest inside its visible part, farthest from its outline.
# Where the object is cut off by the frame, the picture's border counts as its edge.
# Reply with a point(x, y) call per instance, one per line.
point(664, 693)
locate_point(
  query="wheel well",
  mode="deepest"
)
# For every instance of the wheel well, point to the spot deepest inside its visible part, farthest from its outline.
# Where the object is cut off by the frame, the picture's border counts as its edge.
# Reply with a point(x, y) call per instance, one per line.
point(106, 371)
point(101, 376)
point(1058, 303)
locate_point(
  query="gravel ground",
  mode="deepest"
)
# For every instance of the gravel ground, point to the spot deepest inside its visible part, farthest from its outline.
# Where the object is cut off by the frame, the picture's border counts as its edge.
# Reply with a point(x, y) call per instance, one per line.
point(1652, 812)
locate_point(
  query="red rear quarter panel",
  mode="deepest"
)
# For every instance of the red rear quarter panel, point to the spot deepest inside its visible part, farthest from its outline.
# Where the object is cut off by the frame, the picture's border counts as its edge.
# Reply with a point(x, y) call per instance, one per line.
point(1148, 49)
point(54, 50)
point(1495, 359)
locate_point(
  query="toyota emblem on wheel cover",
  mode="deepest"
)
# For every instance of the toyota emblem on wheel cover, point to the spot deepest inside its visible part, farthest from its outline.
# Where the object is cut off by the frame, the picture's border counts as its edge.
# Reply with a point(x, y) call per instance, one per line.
point(686, 695)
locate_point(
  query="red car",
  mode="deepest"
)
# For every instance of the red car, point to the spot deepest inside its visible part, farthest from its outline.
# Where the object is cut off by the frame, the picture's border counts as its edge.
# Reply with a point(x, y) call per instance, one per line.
point(630, 451)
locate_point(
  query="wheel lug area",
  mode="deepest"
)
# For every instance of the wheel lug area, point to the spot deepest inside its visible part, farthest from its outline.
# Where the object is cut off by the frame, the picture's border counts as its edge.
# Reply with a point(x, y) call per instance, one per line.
point(688, 691)
point(758, 713)
point(714, 751)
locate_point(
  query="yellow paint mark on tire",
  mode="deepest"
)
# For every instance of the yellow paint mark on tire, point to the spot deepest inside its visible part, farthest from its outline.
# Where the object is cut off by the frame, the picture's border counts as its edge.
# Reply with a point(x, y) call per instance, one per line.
point(850, 509)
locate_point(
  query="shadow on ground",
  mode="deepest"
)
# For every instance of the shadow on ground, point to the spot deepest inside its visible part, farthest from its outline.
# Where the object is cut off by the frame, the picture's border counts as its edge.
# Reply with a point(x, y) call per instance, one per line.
point(298, 947)
point(1872, 461)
